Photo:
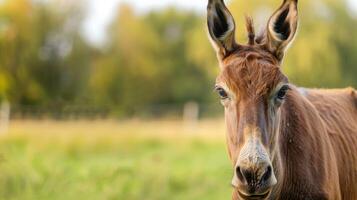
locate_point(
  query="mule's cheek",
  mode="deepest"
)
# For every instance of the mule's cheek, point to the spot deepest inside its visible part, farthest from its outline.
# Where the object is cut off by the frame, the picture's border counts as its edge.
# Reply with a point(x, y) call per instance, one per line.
point(232, 133)
point(231, 148)
point(231, 141)
point(274, 115)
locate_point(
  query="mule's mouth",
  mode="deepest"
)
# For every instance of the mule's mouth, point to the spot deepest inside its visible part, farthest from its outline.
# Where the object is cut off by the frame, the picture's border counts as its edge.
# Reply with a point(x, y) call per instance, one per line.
point(254, 196)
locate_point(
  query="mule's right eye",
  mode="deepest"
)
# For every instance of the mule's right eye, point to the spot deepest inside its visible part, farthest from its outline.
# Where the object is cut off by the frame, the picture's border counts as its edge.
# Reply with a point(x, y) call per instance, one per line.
point(222, 93)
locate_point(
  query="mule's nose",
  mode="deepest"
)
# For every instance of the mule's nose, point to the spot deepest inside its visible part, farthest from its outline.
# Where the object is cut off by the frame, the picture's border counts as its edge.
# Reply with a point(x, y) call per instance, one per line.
point(255, 179)
point(252, 176)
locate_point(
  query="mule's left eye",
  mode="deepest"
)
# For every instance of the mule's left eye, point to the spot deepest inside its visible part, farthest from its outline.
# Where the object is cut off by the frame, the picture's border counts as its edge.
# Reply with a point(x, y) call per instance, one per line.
point(282, 92)
point(222, 93)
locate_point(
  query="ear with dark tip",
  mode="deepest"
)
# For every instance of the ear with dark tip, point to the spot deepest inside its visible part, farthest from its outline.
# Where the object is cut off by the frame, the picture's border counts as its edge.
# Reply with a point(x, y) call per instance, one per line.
point(221, 27)
point(282, 27)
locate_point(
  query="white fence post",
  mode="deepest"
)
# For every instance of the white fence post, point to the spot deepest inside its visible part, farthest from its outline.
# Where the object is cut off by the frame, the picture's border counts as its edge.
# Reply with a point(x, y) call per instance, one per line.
point(191, 112)
point(4, 117)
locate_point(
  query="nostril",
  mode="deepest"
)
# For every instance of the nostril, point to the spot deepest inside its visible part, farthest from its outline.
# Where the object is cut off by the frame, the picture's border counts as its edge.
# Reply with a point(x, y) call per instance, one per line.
point(245, 176)
point(239, 174)
point(267, 174)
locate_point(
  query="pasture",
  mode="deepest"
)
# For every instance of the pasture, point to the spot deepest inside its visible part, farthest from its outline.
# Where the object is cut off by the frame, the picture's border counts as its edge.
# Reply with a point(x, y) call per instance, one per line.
point(129, 160)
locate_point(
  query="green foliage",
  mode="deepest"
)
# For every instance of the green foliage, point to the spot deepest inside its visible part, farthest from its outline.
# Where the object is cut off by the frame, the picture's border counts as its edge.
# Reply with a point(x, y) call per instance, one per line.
point(157, 58)
point(42, 54)
point(150, 68)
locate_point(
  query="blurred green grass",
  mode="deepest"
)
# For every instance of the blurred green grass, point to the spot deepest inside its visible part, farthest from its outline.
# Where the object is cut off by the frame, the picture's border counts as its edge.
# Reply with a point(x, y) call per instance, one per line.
point(104, 160)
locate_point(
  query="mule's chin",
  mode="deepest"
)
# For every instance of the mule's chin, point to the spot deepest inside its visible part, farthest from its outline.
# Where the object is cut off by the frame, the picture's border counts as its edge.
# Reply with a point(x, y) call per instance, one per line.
point(254, 196)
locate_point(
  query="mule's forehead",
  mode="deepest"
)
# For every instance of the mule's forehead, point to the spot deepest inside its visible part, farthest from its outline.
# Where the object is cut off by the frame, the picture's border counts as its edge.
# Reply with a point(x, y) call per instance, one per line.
point(251, 75)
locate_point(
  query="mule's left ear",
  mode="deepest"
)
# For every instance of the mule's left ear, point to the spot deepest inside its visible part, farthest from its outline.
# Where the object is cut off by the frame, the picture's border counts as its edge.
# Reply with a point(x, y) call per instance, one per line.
point(221, 27)
point(282, 28)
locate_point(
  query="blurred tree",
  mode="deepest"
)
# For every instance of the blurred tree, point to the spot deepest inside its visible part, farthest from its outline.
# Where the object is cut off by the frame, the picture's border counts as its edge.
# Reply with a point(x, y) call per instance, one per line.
point(145, 62)
point(15, 35)
point(156, 58)
point(42, 55)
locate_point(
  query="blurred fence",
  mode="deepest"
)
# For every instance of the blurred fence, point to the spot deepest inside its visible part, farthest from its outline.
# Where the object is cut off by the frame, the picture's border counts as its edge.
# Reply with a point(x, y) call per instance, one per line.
point(59, 113)
point(188, 112)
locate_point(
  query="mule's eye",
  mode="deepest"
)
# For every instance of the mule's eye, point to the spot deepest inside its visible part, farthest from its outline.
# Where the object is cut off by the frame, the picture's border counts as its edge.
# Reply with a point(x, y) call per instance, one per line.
point(282, 92)
point(222, 93)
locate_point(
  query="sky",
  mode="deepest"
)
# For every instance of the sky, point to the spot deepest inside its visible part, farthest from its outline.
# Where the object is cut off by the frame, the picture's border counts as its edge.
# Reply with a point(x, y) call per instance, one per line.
point(101, 14)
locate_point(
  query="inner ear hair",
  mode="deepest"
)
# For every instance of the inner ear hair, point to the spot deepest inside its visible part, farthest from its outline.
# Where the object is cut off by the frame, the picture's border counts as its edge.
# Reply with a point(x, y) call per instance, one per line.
point(281, 25)
point(220, 23)
point(221, 27)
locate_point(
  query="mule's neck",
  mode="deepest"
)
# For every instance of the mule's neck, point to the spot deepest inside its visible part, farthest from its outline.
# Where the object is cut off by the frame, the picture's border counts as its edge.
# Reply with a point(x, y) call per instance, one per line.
point(302, 148)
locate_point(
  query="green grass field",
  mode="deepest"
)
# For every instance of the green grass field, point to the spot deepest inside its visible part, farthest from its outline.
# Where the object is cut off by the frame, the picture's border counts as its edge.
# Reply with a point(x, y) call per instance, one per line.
point(114, 160)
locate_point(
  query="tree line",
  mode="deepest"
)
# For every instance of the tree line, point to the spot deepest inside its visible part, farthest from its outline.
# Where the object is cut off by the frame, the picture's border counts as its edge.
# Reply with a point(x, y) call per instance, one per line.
point(158, 58)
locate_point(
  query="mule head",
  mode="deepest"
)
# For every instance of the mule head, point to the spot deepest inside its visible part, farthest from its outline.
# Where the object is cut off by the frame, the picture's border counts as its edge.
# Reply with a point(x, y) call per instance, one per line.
point(252, 89)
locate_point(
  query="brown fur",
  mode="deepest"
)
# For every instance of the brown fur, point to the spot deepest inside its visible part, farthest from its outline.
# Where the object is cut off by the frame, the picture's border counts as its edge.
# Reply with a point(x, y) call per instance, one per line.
point(309, 137)
point(259, 79)
point(318, 134)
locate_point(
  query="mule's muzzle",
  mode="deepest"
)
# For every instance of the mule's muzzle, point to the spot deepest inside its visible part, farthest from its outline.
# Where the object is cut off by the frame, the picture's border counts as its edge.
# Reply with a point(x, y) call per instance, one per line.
point(254, 182)
point(254, 196)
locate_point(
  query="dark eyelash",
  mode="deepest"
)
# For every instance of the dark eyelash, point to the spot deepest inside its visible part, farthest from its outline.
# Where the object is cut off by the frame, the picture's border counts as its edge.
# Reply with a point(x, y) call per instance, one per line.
point(286, 87)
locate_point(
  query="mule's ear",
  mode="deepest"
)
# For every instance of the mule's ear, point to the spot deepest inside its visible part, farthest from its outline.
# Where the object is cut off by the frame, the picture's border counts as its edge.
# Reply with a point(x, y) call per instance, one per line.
point(221, 27)
point(282, 28)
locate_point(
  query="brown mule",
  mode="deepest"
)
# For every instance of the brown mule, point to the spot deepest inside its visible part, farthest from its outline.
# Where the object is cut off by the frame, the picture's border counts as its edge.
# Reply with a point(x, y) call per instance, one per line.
point(284, 142)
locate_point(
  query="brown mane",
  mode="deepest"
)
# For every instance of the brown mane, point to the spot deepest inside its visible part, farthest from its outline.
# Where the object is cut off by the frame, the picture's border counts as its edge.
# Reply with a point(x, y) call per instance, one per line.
point(250, 30)
point(246, 79)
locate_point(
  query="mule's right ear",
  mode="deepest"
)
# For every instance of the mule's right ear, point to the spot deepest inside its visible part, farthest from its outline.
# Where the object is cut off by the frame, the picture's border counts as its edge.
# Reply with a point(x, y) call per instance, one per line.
point(221, 27)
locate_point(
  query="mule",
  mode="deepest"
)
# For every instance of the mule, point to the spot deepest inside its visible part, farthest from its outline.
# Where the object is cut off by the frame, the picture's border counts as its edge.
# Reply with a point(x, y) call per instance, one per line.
point(284, 142)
